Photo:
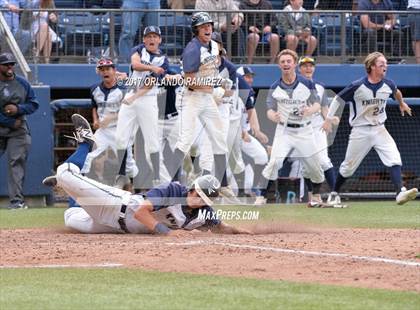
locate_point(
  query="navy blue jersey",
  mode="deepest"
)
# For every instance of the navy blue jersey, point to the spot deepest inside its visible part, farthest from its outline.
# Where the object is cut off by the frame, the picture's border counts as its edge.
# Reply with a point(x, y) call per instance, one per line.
point(169, 207)
point(19, 92)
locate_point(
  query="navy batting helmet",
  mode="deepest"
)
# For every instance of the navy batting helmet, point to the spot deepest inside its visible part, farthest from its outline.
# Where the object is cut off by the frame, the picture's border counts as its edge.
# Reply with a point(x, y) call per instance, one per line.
point(200, 18)
point(207, 187)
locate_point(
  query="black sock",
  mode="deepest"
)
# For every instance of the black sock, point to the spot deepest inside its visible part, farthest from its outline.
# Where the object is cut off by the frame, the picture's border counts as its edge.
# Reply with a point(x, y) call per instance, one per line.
point(266, 185)
point(154, 158)
point(339, 182)
point(122, 159)
point(308, 184)
point(220, 168)
point(395, 173)
point(316, 188)
point(330, 177)
point(240, 180)
point(196, 164)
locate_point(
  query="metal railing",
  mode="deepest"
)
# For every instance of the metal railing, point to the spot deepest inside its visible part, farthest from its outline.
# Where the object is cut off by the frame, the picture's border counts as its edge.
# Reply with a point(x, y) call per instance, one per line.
point(82, 35)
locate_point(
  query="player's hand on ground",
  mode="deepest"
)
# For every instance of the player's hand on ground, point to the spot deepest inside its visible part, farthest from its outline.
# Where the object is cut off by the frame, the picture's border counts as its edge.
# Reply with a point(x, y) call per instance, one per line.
point(404, 108)
point(10, 109)
point(261, 137)
point(180, 233)
point(274, 116)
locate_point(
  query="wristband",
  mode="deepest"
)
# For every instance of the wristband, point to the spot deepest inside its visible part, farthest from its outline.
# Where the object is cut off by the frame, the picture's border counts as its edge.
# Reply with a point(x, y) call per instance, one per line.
point(161, 229)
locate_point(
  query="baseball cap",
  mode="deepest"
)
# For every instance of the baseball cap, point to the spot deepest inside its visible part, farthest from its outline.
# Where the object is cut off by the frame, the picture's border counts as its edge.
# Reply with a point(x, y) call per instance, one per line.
point(7, 58)
point(105, 62)
point(244, 70)
point(305, 60)
point(151, 29)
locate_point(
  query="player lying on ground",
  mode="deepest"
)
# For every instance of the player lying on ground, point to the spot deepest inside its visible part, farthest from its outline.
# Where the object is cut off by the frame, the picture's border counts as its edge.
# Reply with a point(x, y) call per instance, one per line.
point(105, 209)
point(368, 96)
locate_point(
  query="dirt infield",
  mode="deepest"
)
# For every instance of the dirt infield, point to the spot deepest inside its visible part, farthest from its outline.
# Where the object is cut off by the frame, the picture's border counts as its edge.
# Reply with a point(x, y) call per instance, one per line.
point(371, 258)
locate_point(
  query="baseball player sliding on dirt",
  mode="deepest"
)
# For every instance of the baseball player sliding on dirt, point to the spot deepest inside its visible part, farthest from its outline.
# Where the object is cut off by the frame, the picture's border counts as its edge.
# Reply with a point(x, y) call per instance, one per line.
point(368, 97)
point(105, 209)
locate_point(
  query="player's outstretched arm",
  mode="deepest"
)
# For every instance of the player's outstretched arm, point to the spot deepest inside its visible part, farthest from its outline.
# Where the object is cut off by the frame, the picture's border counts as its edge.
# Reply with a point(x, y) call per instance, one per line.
point(223, 228)
point(404, 108)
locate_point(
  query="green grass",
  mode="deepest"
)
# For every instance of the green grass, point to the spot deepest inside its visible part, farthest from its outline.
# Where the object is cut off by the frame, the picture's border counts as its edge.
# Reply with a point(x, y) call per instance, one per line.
point(136, 289)
point(358, 215)
point(31, 218)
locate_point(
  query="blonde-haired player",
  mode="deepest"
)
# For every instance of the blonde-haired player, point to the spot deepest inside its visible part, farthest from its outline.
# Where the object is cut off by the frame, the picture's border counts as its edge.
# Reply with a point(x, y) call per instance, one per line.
point(368, 97)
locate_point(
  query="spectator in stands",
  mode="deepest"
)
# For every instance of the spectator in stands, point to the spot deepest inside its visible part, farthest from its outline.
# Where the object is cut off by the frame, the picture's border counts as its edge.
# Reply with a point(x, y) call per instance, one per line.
point(132, 21)
point(414, 5)
point(221, 22)
point(12, 17)
point(41, 30)
point(260, 27)
point(17, 99)
point(297, 27)
point(181, 4)
point(376, 25)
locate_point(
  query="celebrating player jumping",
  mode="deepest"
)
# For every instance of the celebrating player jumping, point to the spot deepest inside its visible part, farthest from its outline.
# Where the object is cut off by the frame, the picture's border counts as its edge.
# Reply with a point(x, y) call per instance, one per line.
point(368, 97)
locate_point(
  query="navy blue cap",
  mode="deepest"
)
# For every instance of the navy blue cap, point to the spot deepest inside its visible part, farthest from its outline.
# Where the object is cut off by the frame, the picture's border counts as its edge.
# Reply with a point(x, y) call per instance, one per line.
point(7, 58)
point(151, 29)
point(244, 70)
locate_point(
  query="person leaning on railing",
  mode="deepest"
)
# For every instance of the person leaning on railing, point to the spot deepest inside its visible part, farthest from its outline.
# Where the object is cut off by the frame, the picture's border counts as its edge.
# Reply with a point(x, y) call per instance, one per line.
point(260, 28)
point(297, 27)
point(376, 27)
point(221, 22)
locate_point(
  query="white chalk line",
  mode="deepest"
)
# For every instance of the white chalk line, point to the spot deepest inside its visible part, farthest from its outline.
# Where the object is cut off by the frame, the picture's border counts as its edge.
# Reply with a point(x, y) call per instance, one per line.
point(302, 252)
point(52, 266)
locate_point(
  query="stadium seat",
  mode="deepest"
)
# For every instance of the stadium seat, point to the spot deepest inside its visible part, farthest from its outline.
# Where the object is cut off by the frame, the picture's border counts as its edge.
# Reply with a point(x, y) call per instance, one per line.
point(176, 33)
point(81, 32)
point(327, 28)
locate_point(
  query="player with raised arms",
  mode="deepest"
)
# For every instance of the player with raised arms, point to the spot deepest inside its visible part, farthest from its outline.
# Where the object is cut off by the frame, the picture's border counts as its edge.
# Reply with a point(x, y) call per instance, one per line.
point(368, 97)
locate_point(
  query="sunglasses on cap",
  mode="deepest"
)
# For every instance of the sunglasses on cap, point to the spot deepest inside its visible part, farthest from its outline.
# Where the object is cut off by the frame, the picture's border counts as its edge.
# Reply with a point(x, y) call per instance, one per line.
point(304, 60)
point(105, 63)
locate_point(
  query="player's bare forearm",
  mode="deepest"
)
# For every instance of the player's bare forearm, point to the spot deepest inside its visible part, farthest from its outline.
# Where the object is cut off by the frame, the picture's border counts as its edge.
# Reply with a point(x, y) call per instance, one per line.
point(399, 96)
point(144, 215)
point(224, 228)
